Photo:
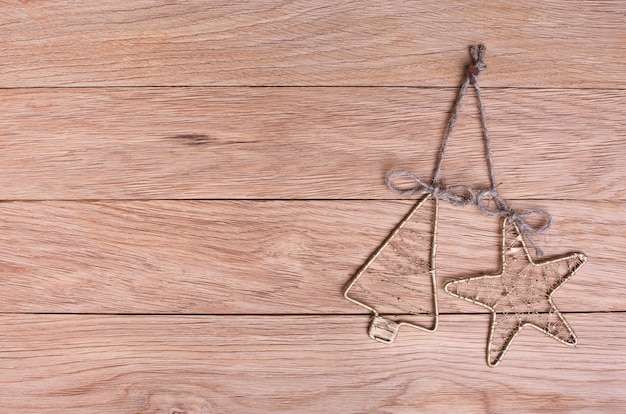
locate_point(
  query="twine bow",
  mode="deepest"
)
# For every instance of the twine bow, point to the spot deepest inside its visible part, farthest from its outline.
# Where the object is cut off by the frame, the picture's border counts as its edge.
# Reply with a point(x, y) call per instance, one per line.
point(436, 189)
point(477, 196)
point(518, 217)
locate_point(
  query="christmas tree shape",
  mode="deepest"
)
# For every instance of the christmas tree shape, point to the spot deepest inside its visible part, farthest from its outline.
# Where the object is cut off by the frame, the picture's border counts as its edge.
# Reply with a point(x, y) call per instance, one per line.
point(397, 284)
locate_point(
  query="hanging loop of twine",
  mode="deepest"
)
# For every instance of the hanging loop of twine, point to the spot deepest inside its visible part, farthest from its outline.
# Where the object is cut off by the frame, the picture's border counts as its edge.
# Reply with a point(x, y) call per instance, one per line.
point(520, 218)
point(477, 53)
point(461, 195)
point(458, 195)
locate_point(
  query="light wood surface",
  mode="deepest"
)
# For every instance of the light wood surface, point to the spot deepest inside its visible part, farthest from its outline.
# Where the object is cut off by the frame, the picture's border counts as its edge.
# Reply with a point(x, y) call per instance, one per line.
point(99, 143)
point(293, 364)
point(257, 257)
point(187, 187)
point(147, 43)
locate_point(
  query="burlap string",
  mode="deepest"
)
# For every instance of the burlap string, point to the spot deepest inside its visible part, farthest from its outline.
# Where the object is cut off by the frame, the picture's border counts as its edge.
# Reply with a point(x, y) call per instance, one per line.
point(461, 195)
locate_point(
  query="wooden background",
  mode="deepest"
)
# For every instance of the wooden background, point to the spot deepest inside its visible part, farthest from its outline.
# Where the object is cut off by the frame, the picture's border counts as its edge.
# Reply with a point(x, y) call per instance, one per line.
point(188, 186)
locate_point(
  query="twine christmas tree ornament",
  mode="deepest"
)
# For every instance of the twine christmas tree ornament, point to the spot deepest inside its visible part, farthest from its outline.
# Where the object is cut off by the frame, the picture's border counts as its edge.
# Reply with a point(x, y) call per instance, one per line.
point(398, 282)
point(399, 278)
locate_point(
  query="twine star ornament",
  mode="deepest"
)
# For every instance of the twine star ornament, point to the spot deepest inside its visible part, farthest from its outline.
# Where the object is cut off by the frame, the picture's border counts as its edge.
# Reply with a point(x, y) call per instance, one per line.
point(520, 294)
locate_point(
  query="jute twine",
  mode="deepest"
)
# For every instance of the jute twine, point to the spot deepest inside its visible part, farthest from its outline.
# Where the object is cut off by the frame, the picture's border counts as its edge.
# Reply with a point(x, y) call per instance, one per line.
point(461, 195)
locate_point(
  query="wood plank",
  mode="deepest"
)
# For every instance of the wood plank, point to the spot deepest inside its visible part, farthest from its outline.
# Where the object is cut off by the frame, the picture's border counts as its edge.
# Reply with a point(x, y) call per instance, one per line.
point(302, 142)
point(146, 364)
point(310, 43)
point(260, 257)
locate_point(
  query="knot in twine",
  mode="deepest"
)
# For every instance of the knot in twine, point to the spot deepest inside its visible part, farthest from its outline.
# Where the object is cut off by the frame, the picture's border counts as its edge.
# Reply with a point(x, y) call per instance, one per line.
point(450, 194)
point(516, 216)
point(477, 53)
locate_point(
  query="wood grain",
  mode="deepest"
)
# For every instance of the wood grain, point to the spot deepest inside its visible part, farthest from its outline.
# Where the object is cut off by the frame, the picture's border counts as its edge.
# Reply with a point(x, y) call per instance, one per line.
point(109, 43)
point(302, 142)
point(260, 257)
point(175, 364)
point(186, 188)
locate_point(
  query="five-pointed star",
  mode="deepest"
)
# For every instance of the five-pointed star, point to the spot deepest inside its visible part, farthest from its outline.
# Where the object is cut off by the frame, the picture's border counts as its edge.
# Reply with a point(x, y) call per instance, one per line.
point(520, 295)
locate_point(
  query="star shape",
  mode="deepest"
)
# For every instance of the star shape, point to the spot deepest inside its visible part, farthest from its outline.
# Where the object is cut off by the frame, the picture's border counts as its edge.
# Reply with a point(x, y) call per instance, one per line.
point(520, 295)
